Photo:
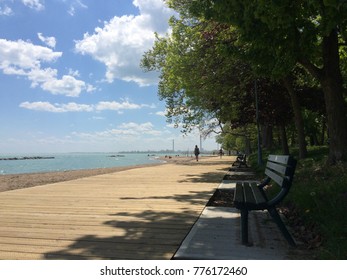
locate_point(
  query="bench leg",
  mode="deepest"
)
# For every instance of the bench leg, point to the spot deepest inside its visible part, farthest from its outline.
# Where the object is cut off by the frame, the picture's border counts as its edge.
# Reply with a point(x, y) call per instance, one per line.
point(244, 226)
point(277, 218)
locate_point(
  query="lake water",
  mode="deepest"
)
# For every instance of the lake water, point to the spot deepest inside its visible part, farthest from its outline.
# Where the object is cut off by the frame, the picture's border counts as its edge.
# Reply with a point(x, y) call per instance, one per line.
point(72, 161)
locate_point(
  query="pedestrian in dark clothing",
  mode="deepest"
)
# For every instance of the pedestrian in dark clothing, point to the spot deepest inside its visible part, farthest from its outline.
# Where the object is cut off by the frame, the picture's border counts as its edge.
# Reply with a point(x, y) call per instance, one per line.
point(196, 152)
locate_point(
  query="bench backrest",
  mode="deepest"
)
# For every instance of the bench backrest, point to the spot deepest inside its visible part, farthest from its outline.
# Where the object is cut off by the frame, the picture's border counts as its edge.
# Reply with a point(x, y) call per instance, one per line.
point(281, 170)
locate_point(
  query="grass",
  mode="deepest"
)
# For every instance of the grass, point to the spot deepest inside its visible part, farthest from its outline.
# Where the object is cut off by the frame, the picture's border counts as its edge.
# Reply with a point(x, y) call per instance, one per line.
point(319, 195)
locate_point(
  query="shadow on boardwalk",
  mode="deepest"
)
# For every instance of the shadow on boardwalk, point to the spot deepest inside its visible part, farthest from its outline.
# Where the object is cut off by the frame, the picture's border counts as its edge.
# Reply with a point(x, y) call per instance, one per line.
point(146, 234)
point(155, 236)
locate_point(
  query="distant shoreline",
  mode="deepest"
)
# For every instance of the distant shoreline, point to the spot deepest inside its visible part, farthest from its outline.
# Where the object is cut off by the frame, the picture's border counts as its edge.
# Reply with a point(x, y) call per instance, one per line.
point(26, 158)
point(10, 182)
point(27, 180)
point(36, 163)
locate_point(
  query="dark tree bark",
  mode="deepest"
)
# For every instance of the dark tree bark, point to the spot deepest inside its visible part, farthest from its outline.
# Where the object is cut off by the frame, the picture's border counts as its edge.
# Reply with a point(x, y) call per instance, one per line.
point(284, 140)
point(299, 122)
point(331, 81)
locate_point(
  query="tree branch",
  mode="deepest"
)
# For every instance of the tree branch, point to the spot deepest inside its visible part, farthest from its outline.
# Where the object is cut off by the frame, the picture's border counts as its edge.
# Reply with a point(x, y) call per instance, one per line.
point(313, 69)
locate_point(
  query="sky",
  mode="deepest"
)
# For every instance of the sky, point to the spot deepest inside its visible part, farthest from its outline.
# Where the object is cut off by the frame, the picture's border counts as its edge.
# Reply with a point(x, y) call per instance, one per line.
point(70, 79)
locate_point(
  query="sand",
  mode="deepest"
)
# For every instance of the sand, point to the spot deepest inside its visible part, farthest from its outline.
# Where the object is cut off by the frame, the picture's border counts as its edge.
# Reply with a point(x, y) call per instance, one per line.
point(20, 181)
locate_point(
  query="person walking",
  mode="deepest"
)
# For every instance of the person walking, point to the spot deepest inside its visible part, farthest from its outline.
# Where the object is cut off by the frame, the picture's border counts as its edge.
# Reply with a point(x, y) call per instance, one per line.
point(196, 152)
point(220, 152)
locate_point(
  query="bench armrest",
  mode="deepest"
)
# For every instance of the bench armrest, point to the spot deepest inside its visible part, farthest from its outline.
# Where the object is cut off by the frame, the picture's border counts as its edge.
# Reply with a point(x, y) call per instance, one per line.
point(278, 198)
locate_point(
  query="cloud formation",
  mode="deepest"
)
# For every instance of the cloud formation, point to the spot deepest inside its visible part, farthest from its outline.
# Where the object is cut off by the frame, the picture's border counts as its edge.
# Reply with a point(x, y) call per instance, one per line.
point(122, 41)
point(75, 107)
point(34, 4)
point(76, 4)
point(49, 41)
point(5, 11)
point(124, 129)
point(25, 59)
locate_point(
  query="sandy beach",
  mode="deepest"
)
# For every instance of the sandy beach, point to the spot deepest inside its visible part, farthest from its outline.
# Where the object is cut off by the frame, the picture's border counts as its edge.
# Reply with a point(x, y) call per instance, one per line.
point(20, 181)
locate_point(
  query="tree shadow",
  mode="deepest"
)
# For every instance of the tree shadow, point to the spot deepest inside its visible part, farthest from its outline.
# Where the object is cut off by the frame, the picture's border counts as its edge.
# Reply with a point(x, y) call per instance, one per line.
point(193, 197)
point(147, 235)
point(207, 177)
point(201, 163)
point(143, 234)
point(150, 234)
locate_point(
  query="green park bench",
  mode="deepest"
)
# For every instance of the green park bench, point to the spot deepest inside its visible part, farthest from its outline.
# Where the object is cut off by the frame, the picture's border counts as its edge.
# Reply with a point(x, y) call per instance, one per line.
point(240, 160)
point(250, 196)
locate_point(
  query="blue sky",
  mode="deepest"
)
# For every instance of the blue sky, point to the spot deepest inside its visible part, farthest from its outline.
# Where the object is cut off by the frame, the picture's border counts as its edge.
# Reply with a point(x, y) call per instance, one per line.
point(70, 79)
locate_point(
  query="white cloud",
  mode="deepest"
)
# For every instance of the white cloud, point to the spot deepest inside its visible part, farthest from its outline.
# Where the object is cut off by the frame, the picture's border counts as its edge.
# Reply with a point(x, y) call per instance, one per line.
point(25, 55)
point(37, 5)
point(122, 41)
point(34, 4)
point(49, 41)
point(67, 86)
point(137, 127)
point(125, 129)
point(25, 59)
point(6, 11)
point(161, 113)
point(74, 73)
point(56, 108)
point(90, 88)
point(103, 105)
point(76, 4)
point(75, 107)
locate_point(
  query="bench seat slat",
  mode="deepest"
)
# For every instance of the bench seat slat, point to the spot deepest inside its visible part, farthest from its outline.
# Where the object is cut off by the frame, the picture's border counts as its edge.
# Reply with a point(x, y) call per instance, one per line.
point(258, 196)
point(248, 194)
point(274, 176)
point(238, 196)
point(282, 169)
point(279, 158)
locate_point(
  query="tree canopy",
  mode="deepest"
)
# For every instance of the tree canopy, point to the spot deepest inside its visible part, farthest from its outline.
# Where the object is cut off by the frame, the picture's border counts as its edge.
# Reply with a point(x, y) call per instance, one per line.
point(205, 84)
point(278, 35)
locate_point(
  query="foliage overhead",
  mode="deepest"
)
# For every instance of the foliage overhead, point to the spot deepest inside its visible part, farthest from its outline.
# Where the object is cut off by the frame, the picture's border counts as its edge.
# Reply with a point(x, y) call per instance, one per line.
point(277, 35)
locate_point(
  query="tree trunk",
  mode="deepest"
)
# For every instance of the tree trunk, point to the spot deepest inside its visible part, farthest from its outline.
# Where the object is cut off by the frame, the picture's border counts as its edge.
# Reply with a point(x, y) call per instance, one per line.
point(334, 101)
point(299, 121)
point(284, 140)
point(248, 145)
point(331, 81)
point(269, 136)
point(323, 131)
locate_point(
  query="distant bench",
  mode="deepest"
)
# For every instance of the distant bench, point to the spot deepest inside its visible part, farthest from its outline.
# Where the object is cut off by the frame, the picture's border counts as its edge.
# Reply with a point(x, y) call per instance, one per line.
point(252, 196)
point(240, 160)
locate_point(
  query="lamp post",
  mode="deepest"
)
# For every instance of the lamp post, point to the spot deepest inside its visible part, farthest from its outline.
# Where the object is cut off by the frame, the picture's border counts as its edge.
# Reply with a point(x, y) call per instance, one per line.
point(260, 158)
point(201, 143)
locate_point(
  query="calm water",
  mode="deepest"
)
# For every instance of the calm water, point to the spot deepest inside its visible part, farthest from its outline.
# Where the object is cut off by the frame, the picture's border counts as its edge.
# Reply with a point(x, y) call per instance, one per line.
point(73, 161)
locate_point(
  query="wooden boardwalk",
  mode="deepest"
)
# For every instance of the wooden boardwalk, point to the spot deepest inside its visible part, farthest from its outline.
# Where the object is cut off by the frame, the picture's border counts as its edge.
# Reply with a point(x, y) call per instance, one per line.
point(142, 213)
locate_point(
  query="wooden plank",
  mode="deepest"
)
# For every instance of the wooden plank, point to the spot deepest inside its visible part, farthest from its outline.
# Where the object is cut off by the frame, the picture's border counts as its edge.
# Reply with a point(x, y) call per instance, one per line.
point(238, 195)
point(258, 196)
point(274, 176)
point(6, 255)
point(247, 192)
point(279, 158)
point(277, 167)
point(136, 214)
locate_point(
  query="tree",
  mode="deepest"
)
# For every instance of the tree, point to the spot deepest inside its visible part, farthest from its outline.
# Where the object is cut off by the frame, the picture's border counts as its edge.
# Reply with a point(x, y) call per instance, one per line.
point(202, 78)
point(281, 34)
point(199, 80)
